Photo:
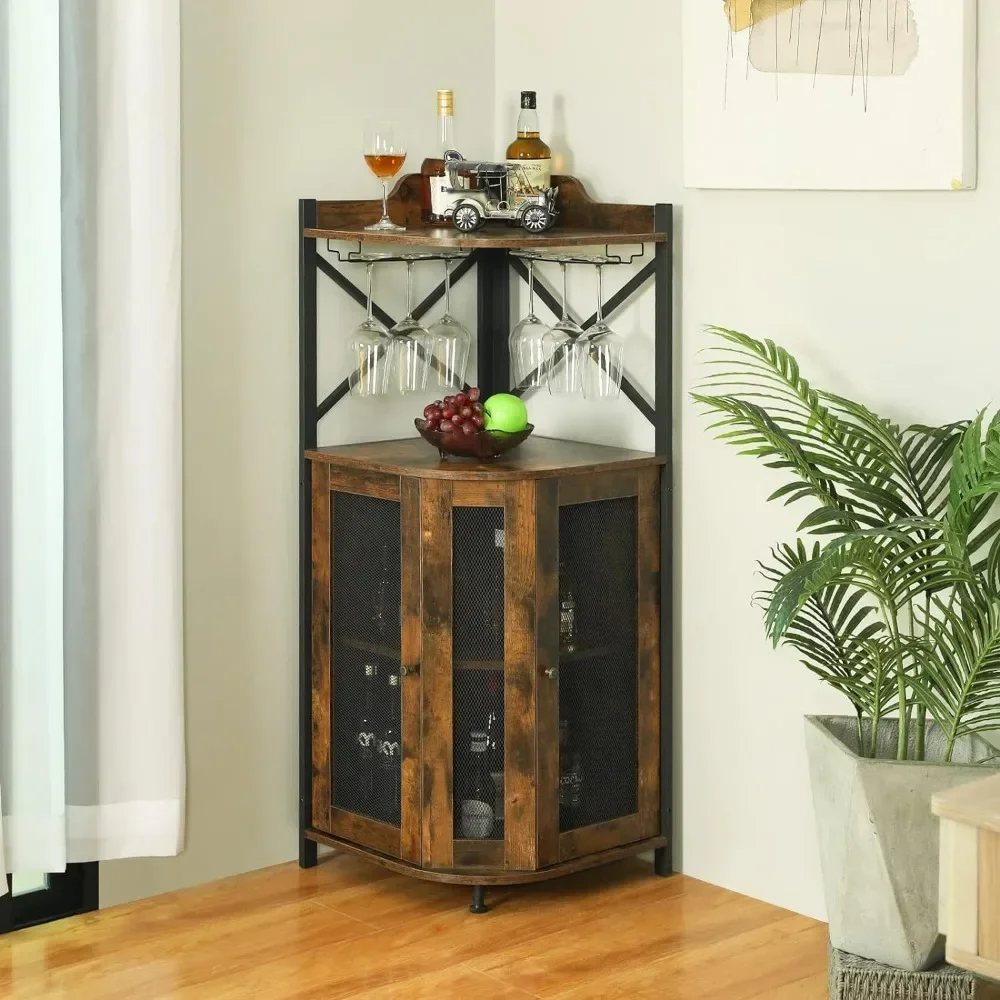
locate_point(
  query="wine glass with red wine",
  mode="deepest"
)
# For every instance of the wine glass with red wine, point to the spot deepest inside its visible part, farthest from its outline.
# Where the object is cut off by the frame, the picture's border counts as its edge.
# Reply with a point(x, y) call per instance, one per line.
point(385, 150)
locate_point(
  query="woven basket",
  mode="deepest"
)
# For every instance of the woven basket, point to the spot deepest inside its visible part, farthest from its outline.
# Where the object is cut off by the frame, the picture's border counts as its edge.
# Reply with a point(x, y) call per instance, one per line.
point(853, 978)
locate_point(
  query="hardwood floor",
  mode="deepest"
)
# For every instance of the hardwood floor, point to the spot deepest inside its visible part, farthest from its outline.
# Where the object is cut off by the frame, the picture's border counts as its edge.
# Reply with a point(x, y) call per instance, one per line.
point(350, 929)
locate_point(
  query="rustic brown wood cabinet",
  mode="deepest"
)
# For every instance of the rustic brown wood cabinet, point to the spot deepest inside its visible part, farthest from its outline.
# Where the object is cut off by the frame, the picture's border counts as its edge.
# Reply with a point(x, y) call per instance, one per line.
point(514, 606)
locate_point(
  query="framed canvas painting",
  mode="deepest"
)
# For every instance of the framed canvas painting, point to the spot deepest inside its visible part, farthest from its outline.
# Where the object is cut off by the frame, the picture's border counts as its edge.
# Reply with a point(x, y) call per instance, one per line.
point(830, 94)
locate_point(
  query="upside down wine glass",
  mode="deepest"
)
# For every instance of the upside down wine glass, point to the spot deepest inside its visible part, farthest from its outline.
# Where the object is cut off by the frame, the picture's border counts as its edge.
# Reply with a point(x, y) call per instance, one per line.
point(603, 354)
point(450, 344)
point(384, 149)
point(562, 350)
point(409, 351)
point(369, 350)
point(527, 343)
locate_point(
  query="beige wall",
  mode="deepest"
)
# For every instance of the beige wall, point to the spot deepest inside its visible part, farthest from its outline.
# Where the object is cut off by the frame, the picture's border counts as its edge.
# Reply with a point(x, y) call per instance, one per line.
point(884, 296)
point(274, 99)
point(888, 297)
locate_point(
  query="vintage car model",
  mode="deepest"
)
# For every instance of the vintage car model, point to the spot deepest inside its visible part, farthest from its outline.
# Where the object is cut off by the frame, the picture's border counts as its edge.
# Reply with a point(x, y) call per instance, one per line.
point(473, 191)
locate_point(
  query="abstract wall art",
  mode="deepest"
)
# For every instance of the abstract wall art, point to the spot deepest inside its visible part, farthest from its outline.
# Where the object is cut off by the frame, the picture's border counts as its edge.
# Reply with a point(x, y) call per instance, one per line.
point(830, 94)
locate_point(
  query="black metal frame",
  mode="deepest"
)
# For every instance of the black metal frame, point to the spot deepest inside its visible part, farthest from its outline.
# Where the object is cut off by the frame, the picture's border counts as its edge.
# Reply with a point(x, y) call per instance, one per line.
point(494, 267)
point(67, 894)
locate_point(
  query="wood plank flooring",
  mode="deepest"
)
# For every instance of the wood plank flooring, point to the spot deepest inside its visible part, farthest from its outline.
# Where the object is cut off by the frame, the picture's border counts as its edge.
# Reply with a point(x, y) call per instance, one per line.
point(350, 929)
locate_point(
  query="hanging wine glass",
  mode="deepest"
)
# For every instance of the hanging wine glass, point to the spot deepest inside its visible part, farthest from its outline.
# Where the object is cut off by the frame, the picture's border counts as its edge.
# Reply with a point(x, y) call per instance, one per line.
point(527, 343)
point(562, 350)
point(369, 353)
point(409, 350)
point(450, 344)
point(603, 354)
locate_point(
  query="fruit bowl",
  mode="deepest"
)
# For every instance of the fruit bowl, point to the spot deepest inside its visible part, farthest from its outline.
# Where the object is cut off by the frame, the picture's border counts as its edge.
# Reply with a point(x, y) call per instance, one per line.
point(483, 445)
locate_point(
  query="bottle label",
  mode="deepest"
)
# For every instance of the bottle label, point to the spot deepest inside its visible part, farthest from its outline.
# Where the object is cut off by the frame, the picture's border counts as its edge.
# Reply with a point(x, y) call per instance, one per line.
point(538, 173)
point(388, 748)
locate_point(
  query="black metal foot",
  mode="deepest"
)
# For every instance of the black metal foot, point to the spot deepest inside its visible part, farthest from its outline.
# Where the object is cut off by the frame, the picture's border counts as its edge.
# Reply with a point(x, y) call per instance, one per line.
point(662, 862)
point(478, 899)
point(308, 853)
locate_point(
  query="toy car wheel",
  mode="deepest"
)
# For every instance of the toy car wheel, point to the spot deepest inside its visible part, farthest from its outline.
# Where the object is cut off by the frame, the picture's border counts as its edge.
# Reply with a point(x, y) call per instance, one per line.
point(467, 218)
point(536, 219)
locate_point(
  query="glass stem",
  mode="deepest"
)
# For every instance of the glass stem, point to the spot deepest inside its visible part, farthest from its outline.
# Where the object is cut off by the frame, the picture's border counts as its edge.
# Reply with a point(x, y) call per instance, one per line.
point(447, 287)
point(370, 268)
point(600, 293)
point(409, 285)
point(531, 288)
point(565, 301)
point(385, 200)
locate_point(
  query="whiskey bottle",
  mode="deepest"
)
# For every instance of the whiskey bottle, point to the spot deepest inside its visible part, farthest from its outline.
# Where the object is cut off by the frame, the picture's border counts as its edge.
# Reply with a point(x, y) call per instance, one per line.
point(479, 793)
point(528, 151)
point(570, 780)
point(365, 740)
point(567, 611)
point(433, 175)
point(389, 756)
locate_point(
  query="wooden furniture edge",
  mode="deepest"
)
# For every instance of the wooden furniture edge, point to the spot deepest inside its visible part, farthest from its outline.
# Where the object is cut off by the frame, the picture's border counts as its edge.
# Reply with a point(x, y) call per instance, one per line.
point(978, 966)
point(459, 471)
point(976, 803)
point(486, 876)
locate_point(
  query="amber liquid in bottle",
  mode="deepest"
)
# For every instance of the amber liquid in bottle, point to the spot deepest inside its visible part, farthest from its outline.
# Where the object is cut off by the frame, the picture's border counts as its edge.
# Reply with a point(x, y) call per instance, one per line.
point(528, 151)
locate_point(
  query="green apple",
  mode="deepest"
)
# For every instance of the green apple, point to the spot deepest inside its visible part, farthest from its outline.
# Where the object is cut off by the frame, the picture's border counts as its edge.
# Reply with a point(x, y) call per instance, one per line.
point(504, 412)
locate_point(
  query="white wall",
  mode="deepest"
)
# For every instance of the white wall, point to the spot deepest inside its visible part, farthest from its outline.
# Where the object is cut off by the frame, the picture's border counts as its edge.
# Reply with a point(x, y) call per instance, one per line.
point(887, 297)
point(275, 96)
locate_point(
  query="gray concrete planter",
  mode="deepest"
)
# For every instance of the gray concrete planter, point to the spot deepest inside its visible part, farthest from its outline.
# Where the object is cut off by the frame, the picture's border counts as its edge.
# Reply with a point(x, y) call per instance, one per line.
point(879, 840)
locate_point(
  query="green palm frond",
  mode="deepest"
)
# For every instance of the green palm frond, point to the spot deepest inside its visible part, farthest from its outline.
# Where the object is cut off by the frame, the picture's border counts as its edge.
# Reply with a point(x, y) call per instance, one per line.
point(959, 679)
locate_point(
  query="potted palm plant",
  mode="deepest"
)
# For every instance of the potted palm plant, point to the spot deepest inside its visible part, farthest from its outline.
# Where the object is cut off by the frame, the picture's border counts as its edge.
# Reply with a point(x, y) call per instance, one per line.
point(891, 594)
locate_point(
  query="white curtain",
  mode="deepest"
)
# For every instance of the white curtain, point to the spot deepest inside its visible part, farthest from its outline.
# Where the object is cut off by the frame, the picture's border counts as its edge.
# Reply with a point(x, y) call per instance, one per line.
point(91, 700)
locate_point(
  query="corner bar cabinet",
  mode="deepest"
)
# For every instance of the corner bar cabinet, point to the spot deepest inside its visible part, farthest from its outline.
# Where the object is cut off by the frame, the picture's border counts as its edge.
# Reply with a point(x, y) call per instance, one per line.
point(485, 655)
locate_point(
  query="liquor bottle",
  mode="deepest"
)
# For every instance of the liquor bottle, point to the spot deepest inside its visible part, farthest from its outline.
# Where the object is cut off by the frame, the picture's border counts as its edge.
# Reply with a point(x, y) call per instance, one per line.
point(567, 611)
point(389, 754)
point(479, 792)
point(433, 176)
point(365, 739)
point(528, 151)
point(494, 740)
point(384, 619)
point(570, 779)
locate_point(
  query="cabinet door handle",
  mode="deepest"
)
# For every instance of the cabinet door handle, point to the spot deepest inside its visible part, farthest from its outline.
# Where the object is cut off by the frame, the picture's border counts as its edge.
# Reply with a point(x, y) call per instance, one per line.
point(404, 670)
point(551, 672)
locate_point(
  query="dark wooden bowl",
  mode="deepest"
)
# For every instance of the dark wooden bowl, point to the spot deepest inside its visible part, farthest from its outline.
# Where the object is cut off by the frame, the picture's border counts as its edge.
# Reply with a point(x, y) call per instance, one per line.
point(484, 445)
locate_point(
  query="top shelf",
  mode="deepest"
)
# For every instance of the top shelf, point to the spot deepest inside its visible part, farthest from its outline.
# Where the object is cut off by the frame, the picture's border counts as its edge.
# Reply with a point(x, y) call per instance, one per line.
point(582, 222)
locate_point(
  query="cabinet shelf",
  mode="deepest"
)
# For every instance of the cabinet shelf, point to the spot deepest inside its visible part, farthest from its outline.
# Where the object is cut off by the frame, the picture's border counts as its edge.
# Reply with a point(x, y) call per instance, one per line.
point(375, 649)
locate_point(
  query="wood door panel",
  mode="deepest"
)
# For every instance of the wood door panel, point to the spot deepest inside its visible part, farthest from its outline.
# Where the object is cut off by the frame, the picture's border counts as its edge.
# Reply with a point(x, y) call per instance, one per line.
point(436, 673)
point(411, 697)
point(322, 598)
point(520, 677)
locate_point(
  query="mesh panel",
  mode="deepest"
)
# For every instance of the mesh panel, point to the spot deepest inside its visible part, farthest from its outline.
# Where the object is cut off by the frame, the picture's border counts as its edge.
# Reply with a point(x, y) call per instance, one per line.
point(477, 583)
point(366, 637)
point(478, 649)
point(478, 722)
point(598, 673)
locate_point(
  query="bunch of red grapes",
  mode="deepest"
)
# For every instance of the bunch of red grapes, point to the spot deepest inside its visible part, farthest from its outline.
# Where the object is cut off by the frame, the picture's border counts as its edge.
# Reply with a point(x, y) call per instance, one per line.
point(458, 414)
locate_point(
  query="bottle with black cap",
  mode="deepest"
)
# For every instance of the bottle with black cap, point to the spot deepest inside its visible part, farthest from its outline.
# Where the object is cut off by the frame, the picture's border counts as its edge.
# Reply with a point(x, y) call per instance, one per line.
point(528, 151)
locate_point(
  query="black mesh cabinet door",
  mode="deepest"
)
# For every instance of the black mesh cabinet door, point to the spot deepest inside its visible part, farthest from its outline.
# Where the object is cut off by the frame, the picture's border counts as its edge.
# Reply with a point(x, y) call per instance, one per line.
point(361, 669)
point(599, 643)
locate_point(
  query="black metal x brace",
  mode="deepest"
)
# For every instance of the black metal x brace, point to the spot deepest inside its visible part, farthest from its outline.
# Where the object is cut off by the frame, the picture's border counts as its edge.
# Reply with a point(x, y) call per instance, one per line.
point(428, 303)
point(554, 302)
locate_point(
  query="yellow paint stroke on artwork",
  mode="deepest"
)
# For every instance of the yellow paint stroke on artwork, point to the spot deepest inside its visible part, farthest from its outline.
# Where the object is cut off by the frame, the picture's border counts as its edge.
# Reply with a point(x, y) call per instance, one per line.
point(743, 13)
point(956, 184)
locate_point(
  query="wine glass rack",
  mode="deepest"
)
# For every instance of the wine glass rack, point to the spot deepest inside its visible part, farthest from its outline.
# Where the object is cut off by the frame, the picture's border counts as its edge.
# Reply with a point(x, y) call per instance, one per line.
point(581, 765)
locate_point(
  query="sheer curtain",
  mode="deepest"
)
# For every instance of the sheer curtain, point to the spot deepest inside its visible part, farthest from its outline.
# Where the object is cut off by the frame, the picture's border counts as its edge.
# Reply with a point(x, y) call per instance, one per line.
point(91, 701)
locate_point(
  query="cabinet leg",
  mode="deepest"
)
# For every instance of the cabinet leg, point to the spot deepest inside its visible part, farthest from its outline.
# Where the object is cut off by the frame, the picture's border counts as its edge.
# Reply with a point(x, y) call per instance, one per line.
point(478, 899)
point(662, 862)
point(308, 853)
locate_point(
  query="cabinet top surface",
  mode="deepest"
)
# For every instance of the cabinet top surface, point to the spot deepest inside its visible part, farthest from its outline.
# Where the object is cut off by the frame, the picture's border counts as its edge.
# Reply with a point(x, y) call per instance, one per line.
point(536, 458)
